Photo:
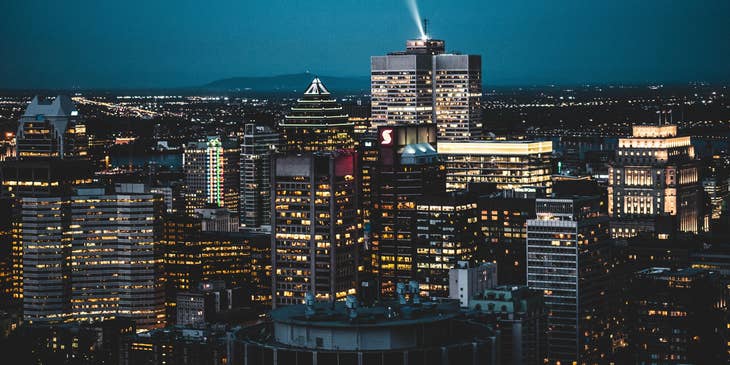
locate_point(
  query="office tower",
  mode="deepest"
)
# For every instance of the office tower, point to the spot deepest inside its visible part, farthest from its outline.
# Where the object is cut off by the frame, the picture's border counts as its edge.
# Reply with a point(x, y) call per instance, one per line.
point(447, 232)
point(520, 316)
point(368, 153)
point(424, 84)
point(509, 164)
point(567, 252)
point(259, 143)
point(192, 256)
point(468, 280)
point(315, 231)
point(51, 129)
point(116, 261)
point(45, 266)
point(316, 123)
point(211, 174)
point(408, 168)
point(716, 178)
point(676, 317)
point(654, 184)
point(503, 220)
point(50, 161)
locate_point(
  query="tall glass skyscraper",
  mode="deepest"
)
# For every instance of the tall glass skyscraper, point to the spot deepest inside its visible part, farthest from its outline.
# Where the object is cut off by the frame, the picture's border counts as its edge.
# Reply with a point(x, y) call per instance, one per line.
point(408, 168)
point(211, 175)
point(259, 144)
point(315, 231)
point(567, 259)
point(116, 256)
point(50, 160)
point(424, 84)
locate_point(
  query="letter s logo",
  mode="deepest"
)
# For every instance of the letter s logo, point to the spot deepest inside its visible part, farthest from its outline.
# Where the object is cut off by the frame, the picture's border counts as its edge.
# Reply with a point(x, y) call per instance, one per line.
point(385, 137)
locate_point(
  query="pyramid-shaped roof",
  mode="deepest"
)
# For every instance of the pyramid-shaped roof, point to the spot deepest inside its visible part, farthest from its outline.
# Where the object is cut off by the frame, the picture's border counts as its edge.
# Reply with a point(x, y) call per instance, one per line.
point(316, 87)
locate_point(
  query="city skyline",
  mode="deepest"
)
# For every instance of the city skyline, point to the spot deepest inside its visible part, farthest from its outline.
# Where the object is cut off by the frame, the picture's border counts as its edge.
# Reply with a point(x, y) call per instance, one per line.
point(421, 215)
point(163, 45)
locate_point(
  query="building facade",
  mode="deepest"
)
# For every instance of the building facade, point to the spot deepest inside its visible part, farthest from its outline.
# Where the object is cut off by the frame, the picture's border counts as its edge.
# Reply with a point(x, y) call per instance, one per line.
point(259, 144)
point(211, 175)
point(50, 159)
point(509, 164)
point(676, 317)
point(424, 84)
point(503, 220)
point(116, 258)
point(520, 315)
point(447, 232)
point(192, 256)
point(467, 281)
point(567, 259)
point(51, 129)
point(408, 168)
point(93, 256)
point(44, 265)
point(654, 184)
point(316, 235)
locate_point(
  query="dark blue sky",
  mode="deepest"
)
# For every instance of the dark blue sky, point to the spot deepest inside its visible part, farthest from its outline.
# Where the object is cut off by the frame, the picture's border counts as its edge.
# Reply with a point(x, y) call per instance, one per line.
point(161, 43)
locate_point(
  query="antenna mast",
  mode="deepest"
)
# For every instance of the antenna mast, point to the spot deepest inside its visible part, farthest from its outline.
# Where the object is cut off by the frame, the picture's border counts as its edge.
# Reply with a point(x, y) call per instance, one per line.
point(425, 27)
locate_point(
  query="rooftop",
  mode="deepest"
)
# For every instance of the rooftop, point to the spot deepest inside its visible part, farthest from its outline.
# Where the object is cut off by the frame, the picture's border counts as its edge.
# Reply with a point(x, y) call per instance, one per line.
point(521, 147)
point(386, 314)
point(61, 106)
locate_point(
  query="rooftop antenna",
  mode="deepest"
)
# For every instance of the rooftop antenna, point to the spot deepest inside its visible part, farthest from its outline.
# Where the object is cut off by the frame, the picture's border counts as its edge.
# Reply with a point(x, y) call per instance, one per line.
point(425, 28)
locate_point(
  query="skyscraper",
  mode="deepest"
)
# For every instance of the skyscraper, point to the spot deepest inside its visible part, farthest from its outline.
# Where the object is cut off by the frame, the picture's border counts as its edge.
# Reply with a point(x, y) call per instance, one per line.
point(408, 168)
point(447, 231)
point(504, 216)
point(654, 183)
point(567, 252)
point(259, 144)
point(192, 256)
point(93, 256)
point(316, 123)
point(315, 231)
point(116, 256)
point(51, 129)
point(424, 84)
point(50, 160)
point(211, 174)
point(44, 265)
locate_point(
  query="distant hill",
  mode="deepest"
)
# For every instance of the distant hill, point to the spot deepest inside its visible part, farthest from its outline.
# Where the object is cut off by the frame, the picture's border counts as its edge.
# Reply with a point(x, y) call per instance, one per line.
point(293, 83)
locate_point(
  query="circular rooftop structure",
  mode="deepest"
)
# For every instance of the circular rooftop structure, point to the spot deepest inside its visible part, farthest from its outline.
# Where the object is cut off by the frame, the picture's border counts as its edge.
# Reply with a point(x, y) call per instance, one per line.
point(391, 332)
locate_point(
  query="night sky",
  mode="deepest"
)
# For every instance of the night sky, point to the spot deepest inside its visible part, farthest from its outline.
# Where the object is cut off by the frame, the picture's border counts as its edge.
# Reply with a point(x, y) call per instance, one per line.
point(170, 43)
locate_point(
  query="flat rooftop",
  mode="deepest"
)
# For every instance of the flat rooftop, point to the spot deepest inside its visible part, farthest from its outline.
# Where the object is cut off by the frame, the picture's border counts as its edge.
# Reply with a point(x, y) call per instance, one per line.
point(521, 147)
point(374, 316)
